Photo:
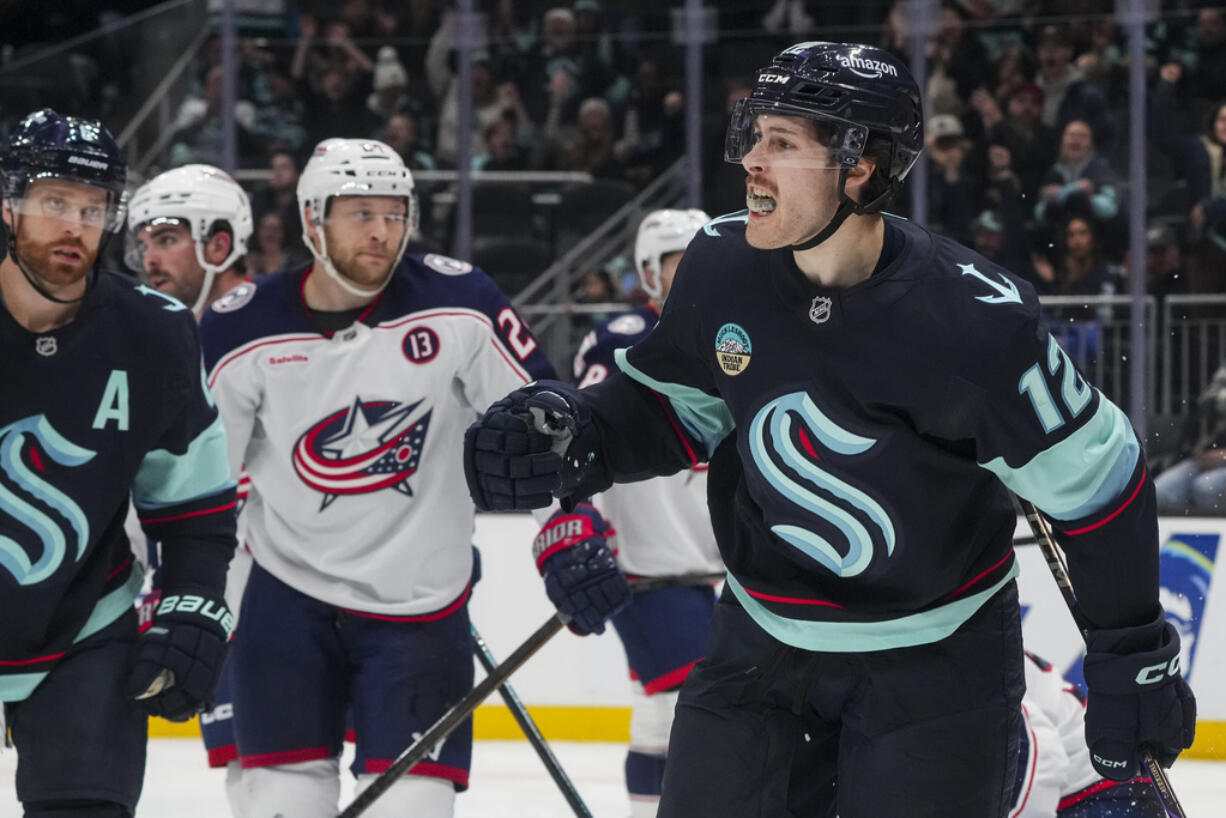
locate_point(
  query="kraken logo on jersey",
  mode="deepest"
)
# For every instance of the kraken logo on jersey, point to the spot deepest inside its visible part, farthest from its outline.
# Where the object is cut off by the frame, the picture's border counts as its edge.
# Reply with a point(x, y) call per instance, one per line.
point(778, 433)
point(19, 461)
point(366, 447)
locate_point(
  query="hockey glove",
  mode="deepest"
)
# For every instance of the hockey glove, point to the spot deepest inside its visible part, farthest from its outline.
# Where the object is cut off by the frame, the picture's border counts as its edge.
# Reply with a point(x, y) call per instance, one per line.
point(1137, 698)
point(581, 574)
point(528, 448)
point(180, 656)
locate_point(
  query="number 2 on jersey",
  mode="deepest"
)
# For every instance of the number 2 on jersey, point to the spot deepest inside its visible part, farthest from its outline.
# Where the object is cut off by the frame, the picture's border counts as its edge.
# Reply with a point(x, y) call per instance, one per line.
point(1075, 393)
point(521, 341)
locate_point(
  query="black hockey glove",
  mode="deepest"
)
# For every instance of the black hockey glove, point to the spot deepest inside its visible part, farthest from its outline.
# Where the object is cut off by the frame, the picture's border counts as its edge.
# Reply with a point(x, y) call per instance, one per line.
point(1136, 698)
point(580, 570)
point(180, 656)
point(528, 448)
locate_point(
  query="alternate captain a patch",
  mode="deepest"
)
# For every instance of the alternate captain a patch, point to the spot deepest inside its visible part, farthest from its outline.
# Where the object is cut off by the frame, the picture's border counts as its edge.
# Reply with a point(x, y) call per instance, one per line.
point(369, 446)
point(732, 349)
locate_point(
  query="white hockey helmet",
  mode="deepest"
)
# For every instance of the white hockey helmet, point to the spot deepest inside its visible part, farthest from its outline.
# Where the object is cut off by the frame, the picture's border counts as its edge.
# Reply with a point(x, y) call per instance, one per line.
point(662, 232)
point(200, 196)
point(352, 167)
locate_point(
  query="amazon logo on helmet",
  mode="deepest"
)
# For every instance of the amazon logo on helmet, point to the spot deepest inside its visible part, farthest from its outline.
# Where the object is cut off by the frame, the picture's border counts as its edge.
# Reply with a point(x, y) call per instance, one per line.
point(869, 69)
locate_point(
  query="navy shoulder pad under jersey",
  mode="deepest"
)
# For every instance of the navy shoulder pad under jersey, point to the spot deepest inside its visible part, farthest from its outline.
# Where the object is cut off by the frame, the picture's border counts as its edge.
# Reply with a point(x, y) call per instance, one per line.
point(111, 405)
point(594, 359)
point(432, 281)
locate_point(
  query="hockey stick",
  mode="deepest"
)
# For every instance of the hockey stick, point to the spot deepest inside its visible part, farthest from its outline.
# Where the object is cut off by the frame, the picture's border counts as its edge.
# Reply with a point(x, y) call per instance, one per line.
point(529, 727)
point(1059, 570)
point(464, 707)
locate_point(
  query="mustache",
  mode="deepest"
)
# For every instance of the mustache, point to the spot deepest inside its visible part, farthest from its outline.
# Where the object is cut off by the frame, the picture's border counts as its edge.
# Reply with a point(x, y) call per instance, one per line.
point(756, 181)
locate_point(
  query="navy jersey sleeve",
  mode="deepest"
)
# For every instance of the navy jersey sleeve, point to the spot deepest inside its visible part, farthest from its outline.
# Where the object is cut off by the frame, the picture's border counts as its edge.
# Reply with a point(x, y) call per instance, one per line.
point(510, 326)
point(1055, 440)
point(661, 412)
point(183, 491)
point(595, 358)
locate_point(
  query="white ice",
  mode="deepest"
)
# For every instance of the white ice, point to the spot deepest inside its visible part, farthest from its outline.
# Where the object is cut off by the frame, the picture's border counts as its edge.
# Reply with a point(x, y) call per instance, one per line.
point(508, 781)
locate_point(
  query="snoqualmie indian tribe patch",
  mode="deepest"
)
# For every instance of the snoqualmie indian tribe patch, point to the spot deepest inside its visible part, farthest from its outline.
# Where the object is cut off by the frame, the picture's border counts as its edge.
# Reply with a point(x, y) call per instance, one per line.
point(732, 349)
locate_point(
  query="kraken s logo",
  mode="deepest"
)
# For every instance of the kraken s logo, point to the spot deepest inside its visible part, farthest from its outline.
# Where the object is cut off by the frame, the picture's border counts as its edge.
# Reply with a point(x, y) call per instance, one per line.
point(777, 435)
point(13, 439)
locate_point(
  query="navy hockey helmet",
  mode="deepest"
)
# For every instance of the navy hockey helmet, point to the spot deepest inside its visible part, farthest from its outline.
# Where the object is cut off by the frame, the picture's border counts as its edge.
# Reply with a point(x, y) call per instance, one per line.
point(47, 145)
point(856, 92)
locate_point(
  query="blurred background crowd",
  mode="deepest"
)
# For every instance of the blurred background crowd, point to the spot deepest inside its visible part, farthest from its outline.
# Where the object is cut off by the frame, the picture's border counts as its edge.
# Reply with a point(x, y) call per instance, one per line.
point(578, 107)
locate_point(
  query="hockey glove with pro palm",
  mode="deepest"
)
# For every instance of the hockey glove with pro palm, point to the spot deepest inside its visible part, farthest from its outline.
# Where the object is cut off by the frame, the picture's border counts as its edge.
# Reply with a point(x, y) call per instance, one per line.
point(1137, 698)
point(529, 447)
point(180, 655)
point(580, 570)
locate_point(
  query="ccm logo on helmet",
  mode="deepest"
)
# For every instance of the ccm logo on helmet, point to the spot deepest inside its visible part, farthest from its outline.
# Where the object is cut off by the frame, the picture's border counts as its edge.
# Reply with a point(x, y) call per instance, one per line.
point(1156, 673)
point(869, 69)
point(778, 79)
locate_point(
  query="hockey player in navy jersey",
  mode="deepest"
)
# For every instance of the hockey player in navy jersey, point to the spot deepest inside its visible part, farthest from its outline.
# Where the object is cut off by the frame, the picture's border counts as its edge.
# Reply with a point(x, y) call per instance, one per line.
point(661, 526)
point(104, 398)
point(346, 387)
point(188, 229)
point(865, 393)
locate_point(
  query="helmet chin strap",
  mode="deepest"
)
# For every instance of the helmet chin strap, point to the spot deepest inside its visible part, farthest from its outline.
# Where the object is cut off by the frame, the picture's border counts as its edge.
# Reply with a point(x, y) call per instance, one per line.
point(325, 261)
point(846, 207)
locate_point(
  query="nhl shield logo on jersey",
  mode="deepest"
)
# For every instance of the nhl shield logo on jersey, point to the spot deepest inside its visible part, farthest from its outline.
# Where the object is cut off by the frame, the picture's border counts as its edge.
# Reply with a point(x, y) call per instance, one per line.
point(819, 310)
point(732, 349)
point(46, 345)
point(369, 446)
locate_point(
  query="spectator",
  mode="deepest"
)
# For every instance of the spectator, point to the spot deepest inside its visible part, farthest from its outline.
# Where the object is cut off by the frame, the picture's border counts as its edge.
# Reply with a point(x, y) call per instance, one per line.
point(337, 107)
point(598, 55)
point(1197, 159)
point(502, 150)
point(403, 136)
point(653, 134)
point(1031, 144)
point(1208, 77)
point(1079, 183)
point(390, 84)
point(953, 191)
point(280, 122)
point(1195, 484)
point(1164, 264)
point(1003, 243)
point(1066, 93)
point(271, 245)
point(1079, 269)
point(197, 128)
point(591, 146)
point(280, 194)
point(960, 51)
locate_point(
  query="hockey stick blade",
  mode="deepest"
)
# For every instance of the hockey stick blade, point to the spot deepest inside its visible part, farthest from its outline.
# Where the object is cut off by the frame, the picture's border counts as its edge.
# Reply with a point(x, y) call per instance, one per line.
point(454, 717)
point(531, 731)
point(1055, 563)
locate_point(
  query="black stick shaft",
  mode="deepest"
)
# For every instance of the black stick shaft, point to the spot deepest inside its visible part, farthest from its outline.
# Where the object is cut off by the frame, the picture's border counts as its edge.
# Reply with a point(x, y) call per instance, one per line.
point(525, 722)
point(1055, 562)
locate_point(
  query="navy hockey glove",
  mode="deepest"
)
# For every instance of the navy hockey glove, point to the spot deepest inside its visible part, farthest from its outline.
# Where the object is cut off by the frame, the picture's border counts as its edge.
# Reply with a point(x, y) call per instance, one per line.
point(581, 574)
point(180, 656)
point(528, 447)
point(1136, 698)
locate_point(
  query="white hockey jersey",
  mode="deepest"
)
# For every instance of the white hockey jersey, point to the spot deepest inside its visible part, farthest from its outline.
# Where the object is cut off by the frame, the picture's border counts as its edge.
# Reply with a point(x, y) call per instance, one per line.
point(1056, 762)
point(354, 440)
point(662, 525)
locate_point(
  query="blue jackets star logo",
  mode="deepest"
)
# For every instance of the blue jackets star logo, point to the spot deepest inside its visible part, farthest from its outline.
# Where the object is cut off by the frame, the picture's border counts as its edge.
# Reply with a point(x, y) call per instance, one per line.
point(366, 447)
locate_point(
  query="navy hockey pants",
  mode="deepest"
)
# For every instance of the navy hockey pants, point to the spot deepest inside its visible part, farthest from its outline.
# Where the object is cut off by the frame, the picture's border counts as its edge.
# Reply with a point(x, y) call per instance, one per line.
point(763, 730)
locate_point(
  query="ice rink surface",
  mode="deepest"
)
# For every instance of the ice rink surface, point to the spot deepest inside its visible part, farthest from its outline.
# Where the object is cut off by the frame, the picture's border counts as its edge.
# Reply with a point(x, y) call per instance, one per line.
point(508, 780)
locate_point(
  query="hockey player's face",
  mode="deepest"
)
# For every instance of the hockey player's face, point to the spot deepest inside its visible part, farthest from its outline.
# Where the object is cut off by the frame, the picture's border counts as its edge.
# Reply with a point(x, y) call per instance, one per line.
point(170, 260)
point(364, 234)
point(790, 189)
point(59, 229)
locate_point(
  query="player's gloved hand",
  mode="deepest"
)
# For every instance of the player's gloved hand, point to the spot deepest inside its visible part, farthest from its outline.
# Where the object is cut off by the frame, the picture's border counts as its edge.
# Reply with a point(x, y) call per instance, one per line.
point(1136, 698)
point(180, 656)
point(528, 447)
point(581, 574)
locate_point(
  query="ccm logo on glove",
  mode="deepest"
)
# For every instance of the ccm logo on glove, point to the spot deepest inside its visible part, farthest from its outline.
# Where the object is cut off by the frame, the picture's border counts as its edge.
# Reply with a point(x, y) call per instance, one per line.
point(1156, 673)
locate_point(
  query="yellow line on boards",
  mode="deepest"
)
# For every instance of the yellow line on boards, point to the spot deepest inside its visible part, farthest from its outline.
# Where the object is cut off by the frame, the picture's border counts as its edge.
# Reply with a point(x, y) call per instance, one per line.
point(495, 723)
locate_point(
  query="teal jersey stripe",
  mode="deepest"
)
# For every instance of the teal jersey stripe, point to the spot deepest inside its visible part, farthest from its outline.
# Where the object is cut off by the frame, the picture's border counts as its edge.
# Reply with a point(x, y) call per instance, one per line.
point(166, 479)
point(859, 637)
point(19, 686)
point(1082, 474)
point(705, 417)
